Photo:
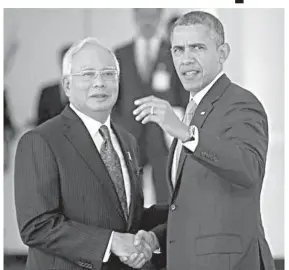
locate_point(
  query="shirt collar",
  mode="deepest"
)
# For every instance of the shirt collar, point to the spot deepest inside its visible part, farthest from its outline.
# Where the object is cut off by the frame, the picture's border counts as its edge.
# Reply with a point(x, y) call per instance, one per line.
point(154, 42)
point(199, 96)
point(91, 124)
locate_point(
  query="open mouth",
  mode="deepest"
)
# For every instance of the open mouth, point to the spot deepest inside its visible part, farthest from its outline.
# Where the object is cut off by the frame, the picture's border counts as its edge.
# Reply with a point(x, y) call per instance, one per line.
point(190, 74)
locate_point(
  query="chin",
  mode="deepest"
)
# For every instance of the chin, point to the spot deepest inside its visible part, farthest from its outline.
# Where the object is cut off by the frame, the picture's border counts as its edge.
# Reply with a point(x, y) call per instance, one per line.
point(101, 108)
point(192, 87)
point(189, 86)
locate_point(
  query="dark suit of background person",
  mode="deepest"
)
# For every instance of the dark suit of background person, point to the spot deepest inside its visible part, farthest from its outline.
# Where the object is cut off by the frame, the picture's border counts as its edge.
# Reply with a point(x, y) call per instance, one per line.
point(9, 131)
point(162, 82)
point(214, 222)
point(52, 99)
point(67, 205)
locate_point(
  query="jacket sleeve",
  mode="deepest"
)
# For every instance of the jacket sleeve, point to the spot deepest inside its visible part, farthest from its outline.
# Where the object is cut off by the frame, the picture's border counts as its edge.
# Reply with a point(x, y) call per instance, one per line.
point(42, 224)
point(238, 153)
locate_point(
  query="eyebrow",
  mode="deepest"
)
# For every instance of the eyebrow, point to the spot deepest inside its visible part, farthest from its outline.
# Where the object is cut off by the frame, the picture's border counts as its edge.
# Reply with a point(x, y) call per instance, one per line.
point(189, 44)
point(177, 46)
point(90, 68)
point(196, 44)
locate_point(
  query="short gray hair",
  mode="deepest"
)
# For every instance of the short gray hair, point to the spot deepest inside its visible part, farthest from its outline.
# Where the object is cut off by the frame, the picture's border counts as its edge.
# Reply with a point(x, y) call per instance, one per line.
point(203, 18)
point(76, 47)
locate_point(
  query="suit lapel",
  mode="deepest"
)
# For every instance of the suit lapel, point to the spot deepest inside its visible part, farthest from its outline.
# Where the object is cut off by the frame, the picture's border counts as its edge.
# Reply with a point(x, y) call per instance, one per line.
point(127, 154)
point(170, 164)
point(200, 115)
point(202, 112)
point(80, 138)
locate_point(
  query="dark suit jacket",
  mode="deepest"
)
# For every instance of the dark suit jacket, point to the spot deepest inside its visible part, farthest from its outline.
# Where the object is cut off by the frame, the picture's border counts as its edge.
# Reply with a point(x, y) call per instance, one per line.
point(214, 218)
point(150, 136)
point(6, 114)
point(50, 103)
point(66, 202)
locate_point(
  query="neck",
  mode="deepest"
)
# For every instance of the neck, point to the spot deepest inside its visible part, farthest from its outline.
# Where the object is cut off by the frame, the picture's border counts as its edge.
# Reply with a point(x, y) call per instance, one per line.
point(100, 116)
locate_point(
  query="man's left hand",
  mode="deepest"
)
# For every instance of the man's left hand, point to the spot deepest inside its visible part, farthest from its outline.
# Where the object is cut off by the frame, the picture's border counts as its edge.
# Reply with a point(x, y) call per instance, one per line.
point(159, 111)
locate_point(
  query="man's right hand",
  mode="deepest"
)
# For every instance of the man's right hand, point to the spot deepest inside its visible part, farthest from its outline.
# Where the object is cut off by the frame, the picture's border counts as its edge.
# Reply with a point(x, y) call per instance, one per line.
point(124, 245)
point(145, 238)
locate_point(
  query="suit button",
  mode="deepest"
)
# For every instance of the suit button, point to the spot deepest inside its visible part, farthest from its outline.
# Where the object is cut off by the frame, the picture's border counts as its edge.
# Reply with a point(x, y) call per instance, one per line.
point(173, 207)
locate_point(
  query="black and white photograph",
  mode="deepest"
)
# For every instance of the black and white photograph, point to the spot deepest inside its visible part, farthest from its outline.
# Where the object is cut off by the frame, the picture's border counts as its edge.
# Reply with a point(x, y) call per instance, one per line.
point(144, 138)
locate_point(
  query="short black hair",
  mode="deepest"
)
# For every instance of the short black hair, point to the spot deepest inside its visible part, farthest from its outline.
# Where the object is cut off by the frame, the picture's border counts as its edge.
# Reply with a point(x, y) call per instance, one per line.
point(172, 21)
point(203, 18)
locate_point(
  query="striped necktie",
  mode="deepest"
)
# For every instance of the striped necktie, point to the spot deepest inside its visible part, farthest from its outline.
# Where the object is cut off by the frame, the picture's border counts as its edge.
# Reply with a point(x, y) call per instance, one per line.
point(190, 110)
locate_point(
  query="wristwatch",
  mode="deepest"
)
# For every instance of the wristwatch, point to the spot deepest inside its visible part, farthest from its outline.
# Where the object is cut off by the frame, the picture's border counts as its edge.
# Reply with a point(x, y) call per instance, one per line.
point(192, 132)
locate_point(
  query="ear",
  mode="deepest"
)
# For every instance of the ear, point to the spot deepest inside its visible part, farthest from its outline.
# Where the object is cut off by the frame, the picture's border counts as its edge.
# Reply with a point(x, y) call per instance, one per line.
point(224, 51)
point(66, 85)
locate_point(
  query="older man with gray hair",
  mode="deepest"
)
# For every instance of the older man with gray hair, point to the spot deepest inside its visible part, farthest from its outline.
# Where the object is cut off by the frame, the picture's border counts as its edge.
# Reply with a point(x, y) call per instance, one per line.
point(78, 185)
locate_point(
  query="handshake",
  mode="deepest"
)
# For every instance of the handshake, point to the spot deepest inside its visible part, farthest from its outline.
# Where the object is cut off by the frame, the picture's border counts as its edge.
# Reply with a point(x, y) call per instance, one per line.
point(134, 250)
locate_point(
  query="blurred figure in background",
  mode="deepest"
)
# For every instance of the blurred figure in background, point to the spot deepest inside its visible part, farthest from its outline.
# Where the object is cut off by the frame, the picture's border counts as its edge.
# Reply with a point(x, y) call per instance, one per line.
point(147, 69)
point(9, 132)
point(52, 98)
point(170, 24)
point(9, 127)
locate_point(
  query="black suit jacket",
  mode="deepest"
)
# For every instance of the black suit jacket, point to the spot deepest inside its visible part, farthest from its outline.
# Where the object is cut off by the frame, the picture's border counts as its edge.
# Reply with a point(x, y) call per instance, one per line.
point(150, 136)
point(50, 103)
point(66, 202)
point(215, 208)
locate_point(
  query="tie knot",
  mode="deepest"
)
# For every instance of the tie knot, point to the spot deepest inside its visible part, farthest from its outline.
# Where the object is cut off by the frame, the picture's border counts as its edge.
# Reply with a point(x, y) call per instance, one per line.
point(191, 107)
point(104, 132)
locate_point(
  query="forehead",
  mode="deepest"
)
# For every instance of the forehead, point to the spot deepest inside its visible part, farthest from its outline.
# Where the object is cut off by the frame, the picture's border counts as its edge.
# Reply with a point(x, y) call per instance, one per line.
point(92, 56)
point(196, 33)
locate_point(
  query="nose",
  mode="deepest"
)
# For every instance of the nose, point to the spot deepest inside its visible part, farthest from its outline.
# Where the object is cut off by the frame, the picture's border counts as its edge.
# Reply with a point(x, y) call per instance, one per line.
point(188, 56)
point(98, 81)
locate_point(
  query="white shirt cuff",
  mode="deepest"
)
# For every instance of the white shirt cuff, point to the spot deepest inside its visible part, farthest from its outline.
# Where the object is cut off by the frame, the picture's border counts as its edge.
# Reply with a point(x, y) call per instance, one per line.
point(192, 145)
point(157, 251)
point(108, 249)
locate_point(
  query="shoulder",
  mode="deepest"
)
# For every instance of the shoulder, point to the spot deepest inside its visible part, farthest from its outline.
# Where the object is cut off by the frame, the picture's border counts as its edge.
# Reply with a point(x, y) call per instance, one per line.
point(48, 130)
point(50, 89)
point(123, 49)
point(244, 96)
point(239, 101)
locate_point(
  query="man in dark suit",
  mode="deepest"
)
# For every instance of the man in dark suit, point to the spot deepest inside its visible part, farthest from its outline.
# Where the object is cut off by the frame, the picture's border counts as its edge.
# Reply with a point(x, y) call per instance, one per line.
point(217, 160)
point(147, 69)
point(52, 98)
point(77, 176)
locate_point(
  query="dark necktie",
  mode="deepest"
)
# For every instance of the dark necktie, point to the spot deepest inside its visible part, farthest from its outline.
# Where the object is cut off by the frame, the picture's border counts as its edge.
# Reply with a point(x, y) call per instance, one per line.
point(112, 163)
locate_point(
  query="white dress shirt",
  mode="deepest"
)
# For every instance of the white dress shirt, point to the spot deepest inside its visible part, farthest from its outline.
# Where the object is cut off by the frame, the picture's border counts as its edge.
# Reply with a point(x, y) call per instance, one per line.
point(192, 145)
point(93, 129)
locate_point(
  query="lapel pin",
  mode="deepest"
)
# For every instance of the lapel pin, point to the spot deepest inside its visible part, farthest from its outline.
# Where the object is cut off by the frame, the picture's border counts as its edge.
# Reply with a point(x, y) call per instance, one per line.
point(129, 156)
point(202, 113)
